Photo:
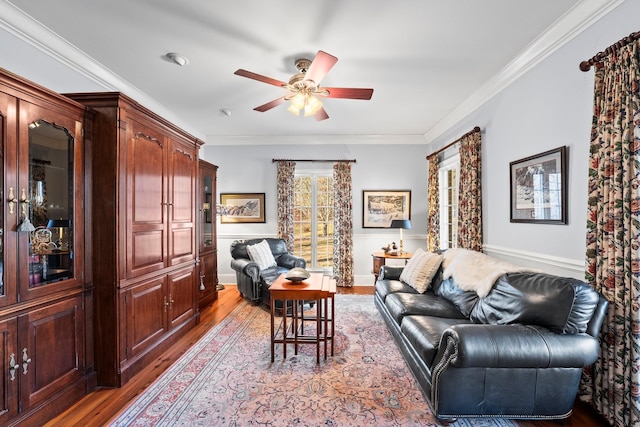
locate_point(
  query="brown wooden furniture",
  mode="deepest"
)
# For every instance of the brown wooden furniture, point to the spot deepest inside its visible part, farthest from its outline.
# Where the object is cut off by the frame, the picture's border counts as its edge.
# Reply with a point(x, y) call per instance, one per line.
point(318, 288)
point(207, 245)
point(380, 258)
point(144, 185)
point(45, 294)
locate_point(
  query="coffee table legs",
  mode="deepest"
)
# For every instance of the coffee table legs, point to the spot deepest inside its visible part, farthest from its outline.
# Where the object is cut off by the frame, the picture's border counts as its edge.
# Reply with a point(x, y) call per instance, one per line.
point(325, 327)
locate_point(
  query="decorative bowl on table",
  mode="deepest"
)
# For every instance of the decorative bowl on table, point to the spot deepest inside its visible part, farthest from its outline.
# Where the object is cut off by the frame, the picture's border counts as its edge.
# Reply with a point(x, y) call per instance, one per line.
point(297, 274)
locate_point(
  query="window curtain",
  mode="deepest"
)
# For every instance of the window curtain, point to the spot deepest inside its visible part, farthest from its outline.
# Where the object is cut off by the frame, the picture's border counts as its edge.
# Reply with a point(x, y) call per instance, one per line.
point(470, 192)
point(342, 225)
point(612, 384)
point(286, 192)
point(433, 207)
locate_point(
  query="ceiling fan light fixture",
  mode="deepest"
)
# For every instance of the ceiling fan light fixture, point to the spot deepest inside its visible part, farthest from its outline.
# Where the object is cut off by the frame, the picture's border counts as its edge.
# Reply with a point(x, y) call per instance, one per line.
point(303, 89)
point(293, 110)
point(312, 106)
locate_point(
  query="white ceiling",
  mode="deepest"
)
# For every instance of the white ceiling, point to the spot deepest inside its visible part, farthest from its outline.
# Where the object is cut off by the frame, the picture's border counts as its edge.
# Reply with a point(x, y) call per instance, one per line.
point(428, 61)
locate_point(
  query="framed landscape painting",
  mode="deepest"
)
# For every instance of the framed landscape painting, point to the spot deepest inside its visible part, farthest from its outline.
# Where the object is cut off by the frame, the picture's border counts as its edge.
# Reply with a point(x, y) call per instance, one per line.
point(380, 207)
point(241, 207)
point(539, 188)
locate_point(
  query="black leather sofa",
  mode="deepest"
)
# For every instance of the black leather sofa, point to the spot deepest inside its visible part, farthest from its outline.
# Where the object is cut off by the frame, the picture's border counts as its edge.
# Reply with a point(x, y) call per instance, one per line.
point(516, 353)
point(254, 283)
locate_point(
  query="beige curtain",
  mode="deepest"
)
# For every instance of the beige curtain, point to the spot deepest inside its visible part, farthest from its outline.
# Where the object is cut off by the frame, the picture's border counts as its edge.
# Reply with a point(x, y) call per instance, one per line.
point(286, 192)
point(470, 192)
point(612, 384)
point(342, 225)
point(433, 205)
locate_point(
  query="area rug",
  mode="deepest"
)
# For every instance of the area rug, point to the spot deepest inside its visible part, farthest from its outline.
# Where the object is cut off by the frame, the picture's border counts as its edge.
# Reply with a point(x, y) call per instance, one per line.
point(227, 379)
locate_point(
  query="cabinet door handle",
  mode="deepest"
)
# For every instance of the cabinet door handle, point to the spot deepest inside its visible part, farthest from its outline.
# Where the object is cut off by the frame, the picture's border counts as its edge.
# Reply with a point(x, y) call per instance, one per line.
point(24, 202)
point(13, 367)
point(25, 361)
point(11, 201)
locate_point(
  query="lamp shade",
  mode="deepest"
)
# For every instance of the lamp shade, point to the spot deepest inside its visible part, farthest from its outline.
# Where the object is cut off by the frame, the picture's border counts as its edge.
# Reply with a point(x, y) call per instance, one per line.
point(401, 223)
point(59, 223)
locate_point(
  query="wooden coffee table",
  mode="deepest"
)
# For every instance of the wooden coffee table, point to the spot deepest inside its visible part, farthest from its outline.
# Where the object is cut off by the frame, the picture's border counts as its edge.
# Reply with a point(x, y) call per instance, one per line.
point(318, 288)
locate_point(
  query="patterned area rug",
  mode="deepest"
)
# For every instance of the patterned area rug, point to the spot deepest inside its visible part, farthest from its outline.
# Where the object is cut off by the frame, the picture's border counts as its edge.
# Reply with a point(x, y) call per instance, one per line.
point(226, 379)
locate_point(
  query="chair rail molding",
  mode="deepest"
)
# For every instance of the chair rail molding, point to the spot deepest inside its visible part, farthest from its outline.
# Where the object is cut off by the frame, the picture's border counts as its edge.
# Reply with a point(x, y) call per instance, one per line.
point(547, 263)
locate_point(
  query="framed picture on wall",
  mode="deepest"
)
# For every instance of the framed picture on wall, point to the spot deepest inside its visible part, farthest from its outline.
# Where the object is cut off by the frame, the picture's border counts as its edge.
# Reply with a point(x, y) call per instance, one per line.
point(241, 207)
point(539, 188)
point(380, 207)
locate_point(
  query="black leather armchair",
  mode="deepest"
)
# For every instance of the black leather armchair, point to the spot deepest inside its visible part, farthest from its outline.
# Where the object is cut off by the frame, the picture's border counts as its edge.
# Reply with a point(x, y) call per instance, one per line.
point(254, 283)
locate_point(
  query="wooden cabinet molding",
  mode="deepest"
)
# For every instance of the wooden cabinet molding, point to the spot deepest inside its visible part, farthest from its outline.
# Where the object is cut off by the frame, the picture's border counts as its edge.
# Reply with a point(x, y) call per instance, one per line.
point(144, 233)
point(42, 312)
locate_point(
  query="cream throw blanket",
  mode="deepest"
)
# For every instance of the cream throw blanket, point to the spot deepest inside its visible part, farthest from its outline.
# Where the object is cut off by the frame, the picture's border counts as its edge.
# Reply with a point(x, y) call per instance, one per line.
point(475, 271)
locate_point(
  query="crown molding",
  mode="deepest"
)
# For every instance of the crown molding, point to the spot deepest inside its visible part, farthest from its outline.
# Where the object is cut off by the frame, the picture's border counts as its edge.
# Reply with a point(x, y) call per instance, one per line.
point(29, 30)
point(570, 25)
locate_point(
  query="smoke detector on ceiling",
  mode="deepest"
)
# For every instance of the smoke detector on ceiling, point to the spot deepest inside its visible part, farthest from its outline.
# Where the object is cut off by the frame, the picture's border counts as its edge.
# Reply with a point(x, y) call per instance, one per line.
point(177, 58)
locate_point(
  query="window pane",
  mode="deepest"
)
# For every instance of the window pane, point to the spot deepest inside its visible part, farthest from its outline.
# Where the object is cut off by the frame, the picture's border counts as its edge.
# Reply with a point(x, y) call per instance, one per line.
point(313, 214)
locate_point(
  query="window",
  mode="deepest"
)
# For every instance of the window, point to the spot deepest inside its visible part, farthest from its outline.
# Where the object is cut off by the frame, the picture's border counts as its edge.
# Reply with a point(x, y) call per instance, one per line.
point(448, 180)
point(313, 218)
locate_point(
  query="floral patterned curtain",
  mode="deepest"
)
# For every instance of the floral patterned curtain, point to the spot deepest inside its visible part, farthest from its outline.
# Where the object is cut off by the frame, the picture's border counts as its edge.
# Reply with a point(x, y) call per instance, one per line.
point(342, 225)
point(433, 205)
point(612, 384)
point(470, 192)
point(286, 192)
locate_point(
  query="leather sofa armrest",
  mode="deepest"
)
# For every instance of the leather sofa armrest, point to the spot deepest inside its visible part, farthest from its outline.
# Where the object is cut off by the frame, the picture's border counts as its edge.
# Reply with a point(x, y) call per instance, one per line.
point(513, 346)
point(247, 267)
point(290, 261)
point(390, 272)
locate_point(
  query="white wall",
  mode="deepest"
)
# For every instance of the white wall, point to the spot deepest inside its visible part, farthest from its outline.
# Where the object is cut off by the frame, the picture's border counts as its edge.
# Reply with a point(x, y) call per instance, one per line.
point(549, 106)
point(249, 169)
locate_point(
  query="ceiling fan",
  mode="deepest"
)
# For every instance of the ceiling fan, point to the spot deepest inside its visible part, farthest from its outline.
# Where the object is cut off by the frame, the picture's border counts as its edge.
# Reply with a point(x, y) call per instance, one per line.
point(303, 89)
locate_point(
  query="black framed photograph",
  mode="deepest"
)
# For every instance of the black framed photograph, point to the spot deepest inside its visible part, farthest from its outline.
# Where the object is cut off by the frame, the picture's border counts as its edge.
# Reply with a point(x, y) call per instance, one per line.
point(241, 207)
point(380, 207)
point(539, 188)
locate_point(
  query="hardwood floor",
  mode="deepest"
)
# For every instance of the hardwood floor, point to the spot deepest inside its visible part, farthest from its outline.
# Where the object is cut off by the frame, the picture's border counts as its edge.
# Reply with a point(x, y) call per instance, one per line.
point(99, 407)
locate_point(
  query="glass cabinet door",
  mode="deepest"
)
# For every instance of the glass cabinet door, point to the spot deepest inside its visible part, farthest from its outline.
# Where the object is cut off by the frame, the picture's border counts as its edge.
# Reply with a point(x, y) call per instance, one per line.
point(9, 211)
point(2, 216)
point(207, 209)
point(49, 201)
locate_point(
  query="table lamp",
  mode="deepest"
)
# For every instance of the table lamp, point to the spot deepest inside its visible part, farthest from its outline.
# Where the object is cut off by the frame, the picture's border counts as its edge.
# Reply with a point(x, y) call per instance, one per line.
point(401, 224)
point(60, 224)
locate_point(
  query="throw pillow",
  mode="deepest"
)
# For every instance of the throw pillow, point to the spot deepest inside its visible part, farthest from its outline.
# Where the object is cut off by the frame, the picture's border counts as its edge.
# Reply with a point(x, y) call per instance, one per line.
point(420, 269)
point(260, 253)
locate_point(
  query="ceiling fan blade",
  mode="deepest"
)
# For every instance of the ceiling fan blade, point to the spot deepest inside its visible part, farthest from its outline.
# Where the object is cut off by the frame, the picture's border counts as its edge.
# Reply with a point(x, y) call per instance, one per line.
point(320, 66)
point(321, 114)
point(270, 105)
point(259, 77)
point(348, 92)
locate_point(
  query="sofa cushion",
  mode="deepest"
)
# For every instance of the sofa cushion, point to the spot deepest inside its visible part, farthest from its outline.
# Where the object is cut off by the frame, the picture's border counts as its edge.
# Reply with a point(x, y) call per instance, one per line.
point(561, 304)
point(428, 304)
point(420, 269)
point(424, 332)
point(464, 300)
point(386, 287)
point(260, 253)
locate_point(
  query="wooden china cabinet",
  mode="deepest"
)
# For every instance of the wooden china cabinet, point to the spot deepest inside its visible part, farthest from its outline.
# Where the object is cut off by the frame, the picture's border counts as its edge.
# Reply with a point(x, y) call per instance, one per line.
point(45, 277)
point(207, 245)
point(144, 220)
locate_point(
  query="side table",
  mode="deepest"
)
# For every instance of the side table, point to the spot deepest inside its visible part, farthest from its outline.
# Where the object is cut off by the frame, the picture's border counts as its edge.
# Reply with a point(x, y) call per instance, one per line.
point(380, 258)
point(318, 288)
